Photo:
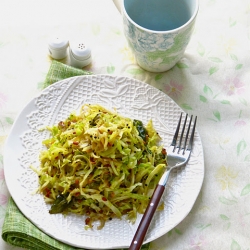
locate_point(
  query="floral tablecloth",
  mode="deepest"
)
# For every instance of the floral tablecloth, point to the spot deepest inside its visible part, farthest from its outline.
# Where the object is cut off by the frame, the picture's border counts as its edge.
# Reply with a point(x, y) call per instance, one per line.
point(210, 81)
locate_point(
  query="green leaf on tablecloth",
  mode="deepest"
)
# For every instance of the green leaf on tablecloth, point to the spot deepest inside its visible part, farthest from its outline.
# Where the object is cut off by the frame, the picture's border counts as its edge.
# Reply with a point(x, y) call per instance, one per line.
point(203, 98)
point(186, 106)
point(247, 158)
point(241, 147)
point(177, 231)
point(158, 77)
point(135, 71)
point(2, 44)
point(199, 225)
point(181, 65)
point(169, 233)
point(224, 217)
point(227, 201)
point(245, 190)
point(238, 66)
point(207, 90)
point(207, 225)
point(213, 70)
point(232, 22)
point(235, 245)
point(216, 113)
point(227, 225)
point(226, 102)
point(234, 57)
point(111, 69)
point(202, 226)
point(116, 31)
point(243, 101)
point(215, 59)
point(9, 120)
point(201, 49)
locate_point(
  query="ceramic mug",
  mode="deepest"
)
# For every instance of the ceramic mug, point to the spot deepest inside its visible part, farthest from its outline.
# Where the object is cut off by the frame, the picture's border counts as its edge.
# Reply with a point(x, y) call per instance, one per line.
point(158, 31)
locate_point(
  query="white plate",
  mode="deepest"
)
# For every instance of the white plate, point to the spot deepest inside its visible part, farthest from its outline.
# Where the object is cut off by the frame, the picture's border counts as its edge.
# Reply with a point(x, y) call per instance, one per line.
point(133, 99)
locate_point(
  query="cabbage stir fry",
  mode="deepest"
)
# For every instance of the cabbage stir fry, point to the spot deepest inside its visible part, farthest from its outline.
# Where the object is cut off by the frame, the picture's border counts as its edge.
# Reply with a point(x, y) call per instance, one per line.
point(101, 165)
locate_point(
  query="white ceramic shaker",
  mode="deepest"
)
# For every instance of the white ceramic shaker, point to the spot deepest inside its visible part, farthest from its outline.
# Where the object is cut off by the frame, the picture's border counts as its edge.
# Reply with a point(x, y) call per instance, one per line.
point(58, 47)
point(79, 54)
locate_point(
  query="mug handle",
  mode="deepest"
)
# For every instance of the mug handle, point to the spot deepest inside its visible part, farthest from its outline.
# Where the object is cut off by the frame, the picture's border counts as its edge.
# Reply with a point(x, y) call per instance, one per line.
point(118, 4)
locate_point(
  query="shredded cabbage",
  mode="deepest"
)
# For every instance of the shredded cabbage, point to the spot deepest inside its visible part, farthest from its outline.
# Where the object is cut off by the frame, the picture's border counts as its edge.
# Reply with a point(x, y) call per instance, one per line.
point(101, 165)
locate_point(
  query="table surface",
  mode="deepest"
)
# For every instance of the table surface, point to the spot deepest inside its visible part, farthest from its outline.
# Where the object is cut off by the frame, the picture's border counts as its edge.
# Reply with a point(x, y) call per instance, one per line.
point(210, 81)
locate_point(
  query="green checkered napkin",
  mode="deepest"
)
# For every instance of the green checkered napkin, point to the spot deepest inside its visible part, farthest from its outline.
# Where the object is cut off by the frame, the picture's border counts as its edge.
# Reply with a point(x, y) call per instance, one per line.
point(19, 231)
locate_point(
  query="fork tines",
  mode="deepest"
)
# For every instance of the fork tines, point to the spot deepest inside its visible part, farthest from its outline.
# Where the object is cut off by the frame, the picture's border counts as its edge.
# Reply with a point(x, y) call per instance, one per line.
point(178, 143)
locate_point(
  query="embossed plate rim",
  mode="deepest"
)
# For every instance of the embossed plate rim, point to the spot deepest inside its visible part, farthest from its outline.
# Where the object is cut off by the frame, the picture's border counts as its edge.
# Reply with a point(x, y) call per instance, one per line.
point(20, 143)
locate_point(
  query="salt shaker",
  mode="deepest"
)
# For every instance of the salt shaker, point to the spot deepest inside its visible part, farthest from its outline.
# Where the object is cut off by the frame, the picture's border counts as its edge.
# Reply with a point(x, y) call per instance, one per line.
point(58, 47)
point(80, 54)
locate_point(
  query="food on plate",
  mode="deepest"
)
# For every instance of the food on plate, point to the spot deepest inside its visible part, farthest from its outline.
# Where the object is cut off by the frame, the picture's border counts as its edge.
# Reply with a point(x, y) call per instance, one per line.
point(100, 164)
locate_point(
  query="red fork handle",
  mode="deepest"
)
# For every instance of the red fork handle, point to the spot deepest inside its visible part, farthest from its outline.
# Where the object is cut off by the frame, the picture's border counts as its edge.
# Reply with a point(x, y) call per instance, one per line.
point(146, 219)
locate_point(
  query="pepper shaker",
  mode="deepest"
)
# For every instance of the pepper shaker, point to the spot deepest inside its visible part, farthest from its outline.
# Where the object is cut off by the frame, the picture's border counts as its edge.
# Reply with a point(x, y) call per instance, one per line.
point(80, 54)
point(58, 47)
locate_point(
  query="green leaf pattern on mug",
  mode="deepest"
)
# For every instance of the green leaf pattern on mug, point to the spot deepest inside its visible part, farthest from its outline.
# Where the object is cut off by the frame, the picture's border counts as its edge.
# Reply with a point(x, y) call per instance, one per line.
point(171, 53)
point(157, 50)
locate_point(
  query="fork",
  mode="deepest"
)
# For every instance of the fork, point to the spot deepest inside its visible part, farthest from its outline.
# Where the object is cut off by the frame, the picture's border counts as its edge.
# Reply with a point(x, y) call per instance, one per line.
point(178, 155)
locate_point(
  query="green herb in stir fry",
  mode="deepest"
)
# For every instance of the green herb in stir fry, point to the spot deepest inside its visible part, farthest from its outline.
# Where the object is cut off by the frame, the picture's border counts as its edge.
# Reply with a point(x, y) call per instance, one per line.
point(101, 165)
